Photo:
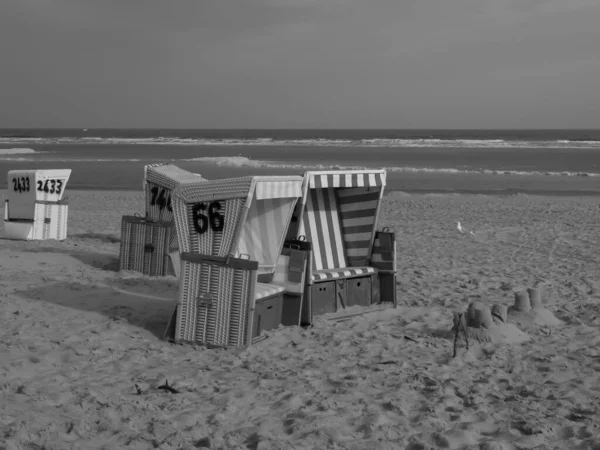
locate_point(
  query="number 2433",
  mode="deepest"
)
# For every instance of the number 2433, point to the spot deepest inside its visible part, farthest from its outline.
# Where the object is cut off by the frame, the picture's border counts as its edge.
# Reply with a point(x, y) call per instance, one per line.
point(207, 215)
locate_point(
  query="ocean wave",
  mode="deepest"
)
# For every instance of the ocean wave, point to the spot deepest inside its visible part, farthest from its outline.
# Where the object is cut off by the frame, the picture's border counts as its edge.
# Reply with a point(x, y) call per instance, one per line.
point(318, 142)
point(242, 161)
point(16, 151)
point(68, 160)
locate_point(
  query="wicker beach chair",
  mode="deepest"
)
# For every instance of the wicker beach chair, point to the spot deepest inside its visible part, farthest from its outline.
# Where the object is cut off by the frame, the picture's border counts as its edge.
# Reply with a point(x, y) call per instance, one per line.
point(35, 207)
point(351, 262)
point(230, 235)
point(149, 243)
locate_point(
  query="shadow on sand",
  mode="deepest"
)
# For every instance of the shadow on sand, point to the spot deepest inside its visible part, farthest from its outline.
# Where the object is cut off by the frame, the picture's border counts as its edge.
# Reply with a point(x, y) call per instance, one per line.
point(101, 261)
point(139, 308)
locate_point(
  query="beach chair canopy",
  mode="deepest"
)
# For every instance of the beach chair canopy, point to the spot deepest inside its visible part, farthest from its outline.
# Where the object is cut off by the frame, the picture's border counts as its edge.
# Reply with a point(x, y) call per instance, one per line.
point(240, 217)
point(338, 215)
point(28, 187)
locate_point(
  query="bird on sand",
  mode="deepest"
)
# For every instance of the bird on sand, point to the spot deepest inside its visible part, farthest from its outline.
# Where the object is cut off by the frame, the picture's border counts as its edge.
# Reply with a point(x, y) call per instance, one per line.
point(459, 227)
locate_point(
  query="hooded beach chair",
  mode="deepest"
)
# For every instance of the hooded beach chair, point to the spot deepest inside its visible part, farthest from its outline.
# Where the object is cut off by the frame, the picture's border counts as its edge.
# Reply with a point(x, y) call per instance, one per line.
point(351, 262)
point(35, 207)
point(230, 234)
point(149, 243)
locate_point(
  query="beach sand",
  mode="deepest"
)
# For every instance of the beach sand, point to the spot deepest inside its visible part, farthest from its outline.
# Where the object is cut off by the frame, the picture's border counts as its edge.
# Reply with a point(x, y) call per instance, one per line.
point(76, 337)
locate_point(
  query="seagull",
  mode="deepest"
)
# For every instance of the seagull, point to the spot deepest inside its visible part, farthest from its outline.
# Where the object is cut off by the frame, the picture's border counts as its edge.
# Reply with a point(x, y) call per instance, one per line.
point(459, 227)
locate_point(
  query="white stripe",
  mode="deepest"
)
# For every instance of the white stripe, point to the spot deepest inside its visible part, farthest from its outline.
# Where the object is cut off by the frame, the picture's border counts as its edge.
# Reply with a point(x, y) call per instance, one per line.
point(312, 226)
point(336, 180)
point(348, 179)
point(327, 251)
point(372, 181)
point(360, 180)
point(336, 228)
point(324, 181)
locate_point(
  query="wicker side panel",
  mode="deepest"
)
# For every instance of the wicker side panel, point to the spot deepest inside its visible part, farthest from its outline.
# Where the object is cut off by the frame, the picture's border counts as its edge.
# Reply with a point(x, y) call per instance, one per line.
point(215, 304)
point(156, 249)
point(132, 239)
point(144, 246)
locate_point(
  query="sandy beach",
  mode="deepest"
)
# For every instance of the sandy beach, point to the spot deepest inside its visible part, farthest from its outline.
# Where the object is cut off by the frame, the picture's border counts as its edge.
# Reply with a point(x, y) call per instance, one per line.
point(82, 355)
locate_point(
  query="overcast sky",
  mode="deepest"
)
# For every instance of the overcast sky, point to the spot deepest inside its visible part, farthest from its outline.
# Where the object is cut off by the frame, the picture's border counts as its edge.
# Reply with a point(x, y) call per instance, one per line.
point(300, 63)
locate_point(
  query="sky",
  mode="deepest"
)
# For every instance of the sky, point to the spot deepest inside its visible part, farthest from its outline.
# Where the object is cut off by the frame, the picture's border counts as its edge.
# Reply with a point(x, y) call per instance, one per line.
point(300, 63)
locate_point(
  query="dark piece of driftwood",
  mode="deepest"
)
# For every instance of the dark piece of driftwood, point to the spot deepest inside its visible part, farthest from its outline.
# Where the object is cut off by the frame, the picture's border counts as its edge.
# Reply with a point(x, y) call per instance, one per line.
point(166, 387)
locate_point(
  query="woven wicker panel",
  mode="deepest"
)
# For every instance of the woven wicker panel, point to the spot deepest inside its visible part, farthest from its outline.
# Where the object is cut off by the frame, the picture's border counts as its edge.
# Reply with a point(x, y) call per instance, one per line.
point(215, 302)
point(227, 198)
point(144, 245)
point(159, 182)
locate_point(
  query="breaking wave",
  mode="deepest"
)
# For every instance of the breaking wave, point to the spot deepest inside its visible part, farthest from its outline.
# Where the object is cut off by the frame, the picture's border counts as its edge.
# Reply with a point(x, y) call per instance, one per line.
point(320, 142)
point(242, 161)
point(16, 151)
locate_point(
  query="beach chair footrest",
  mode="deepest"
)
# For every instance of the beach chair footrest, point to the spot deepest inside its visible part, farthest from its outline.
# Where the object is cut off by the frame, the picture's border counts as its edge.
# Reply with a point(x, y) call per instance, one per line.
point(145, 246)
point(267, 314)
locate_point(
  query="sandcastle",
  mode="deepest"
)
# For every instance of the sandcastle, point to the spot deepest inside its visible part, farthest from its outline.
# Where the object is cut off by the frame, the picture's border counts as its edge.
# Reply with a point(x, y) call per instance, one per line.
point(484, 324)
point(528, 309)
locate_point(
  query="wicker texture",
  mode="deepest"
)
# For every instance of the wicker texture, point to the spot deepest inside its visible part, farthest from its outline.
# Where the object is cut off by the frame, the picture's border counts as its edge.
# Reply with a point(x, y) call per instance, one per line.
point(215, 304)
point(159, 181)
point(216, 298)
point(231, 194)
point(144, 245)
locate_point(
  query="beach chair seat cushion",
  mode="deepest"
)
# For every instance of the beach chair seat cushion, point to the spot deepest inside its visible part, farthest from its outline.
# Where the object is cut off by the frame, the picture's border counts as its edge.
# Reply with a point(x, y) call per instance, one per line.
point(264, 290)
point(346, 272)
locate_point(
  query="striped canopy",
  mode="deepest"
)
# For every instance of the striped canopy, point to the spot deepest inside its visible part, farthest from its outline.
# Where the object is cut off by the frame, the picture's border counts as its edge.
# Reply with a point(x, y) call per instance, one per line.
point(345, 179)
point(339, 217)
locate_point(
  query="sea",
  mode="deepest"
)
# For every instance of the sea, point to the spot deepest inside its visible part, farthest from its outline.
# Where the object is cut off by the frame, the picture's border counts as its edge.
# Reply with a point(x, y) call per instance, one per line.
point(491, 162)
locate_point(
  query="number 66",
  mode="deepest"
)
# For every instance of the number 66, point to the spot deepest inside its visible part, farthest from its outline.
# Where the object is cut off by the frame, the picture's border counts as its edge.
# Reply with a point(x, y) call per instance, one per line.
point(215, 219)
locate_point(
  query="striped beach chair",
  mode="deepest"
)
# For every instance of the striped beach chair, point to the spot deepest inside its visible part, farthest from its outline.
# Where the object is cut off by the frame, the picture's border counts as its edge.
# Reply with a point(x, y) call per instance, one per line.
point(35, 207)
point(230, 233)
point(149, 243)
point(338, 217)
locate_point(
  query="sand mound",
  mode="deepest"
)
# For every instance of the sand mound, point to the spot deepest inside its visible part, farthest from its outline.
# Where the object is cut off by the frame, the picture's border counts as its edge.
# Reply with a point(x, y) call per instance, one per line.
point(488, 325)
point(528, 310)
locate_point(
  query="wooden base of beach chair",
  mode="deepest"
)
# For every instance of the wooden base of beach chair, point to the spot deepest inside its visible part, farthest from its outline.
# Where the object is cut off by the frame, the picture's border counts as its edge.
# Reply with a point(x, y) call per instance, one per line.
point(50, 222)
point(267, 314)
point(332, 296)
point(291, 311)
point(362, 291)
point(145, 246)
point(387, 283)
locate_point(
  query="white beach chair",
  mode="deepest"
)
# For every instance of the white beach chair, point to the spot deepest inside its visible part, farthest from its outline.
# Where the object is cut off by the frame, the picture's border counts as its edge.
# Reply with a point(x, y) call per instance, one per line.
point(35, 207)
